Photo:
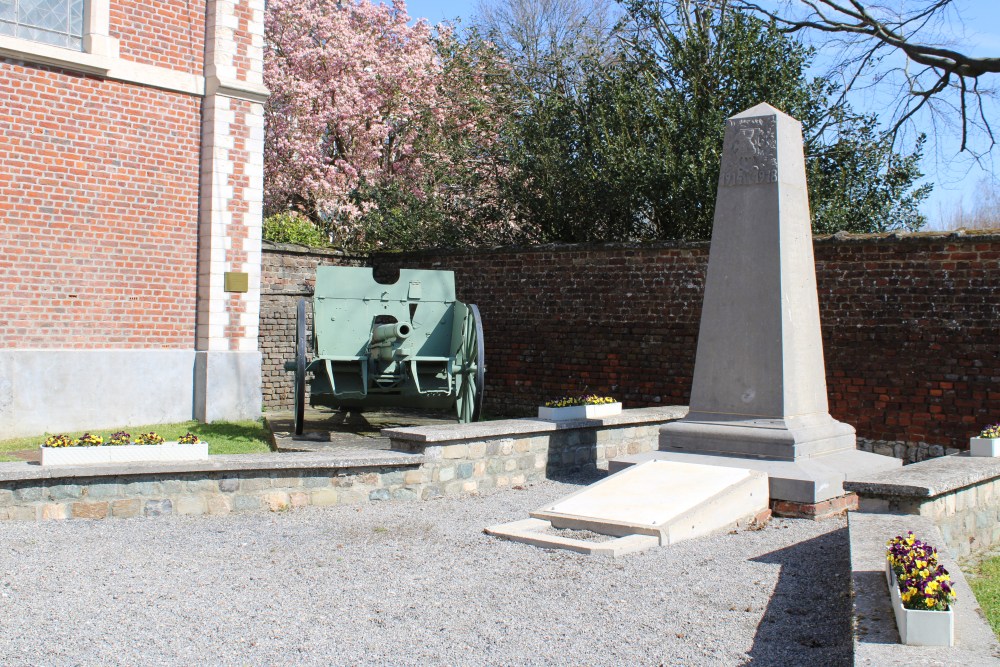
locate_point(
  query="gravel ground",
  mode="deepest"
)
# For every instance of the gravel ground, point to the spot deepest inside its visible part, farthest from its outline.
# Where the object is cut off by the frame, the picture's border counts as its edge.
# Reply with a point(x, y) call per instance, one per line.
point(413, 583)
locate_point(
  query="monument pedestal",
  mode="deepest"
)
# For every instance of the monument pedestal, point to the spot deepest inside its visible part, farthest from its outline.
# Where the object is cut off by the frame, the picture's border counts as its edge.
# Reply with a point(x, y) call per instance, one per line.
point(758, 396)
point(783, 439)
point(807, 458)
point(805, 481)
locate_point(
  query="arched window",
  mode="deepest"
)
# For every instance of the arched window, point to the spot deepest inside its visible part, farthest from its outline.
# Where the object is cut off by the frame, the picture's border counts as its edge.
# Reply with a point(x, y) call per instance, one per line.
point(56, 22)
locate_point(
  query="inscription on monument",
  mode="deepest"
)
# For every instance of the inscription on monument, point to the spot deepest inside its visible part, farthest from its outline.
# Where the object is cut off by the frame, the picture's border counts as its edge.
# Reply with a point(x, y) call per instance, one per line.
point(750, 154)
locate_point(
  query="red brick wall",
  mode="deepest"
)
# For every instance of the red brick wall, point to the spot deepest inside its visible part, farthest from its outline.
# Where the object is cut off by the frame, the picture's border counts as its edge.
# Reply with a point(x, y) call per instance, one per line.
point(168, 33)
point(909, 327)
point(99, 204)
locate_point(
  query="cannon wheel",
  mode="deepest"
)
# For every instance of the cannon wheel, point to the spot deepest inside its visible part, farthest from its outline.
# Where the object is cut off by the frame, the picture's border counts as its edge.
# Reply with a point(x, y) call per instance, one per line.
point(472, 369)
point(300, 367)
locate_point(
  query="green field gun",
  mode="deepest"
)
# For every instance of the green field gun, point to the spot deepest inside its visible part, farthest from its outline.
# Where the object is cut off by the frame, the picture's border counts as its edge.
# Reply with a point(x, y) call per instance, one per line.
point(409, 344)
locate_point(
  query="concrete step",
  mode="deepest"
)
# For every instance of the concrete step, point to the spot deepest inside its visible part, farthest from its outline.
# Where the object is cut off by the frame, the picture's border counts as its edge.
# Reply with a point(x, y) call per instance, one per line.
point(534, 532)
point(653, 503)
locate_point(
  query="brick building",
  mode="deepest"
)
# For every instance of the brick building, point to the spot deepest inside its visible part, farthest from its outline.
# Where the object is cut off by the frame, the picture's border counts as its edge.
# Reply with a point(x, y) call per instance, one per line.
point(131, 152)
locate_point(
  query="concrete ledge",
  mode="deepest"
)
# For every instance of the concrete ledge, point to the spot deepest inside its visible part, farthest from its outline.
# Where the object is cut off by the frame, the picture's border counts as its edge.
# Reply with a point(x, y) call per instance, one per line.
point(876, 640)
point(530, 425)
point(20, 472)
point(806, 481)
point(928, 479)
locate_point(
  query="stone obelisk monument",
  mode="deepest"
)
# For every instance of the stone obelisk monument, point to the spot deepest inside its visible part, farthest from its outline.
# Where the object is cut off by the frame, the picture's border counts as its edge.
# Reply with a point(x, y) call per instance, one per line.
point(758, 399)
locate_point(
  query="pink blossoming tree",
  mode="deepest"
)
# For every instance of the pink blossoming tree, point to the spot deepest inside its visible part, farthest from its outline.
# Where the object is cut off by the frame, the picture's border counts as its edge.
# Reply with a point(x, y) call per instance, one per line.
point(363, 104)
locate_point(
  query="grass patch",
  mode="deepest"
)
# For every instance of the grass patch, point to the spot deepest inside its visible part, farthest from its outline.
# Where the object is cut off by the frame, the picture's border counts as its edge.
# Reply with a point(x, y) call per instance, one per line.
point(984, 578)
point(245, 437)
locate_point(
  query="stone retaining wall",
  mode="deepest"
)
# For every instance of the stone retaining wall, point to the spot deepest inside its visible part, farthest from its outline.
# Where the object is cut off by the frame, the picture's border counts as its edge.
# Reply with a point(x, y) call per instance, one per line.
point(227, 484)
point(451, 460)
point(960, 494)
point(466, 458)
point(909, 452)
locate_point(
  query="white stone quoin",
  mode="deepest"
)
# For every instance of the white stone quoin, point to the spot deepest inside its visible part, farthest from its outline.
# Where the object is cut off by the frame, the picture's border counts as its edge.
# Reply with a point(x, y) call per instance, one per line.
point(758, 397)
point(228, 361)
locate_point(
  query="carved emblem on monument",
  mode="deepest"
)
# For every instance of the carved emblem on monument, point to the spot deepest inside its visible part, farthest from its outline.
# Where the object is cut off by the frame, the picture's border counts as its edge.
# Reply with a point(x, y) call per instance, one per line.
point(752, 150)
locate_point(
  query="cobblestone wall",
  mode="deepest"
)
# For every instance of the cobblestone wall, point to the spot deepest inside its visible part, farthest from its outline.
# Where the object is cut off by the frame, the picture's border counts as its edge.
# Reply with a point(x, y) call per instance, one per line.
point(195, 493)
point(969, 518)
point(909, 452)
point(475, 465)
point(455, 468)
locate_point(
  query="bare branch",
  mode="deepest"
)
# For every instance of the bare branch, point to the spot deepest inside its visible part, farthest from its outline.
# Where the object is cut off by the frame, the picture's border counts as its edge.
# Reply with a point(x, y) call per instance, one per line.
point(872, 31)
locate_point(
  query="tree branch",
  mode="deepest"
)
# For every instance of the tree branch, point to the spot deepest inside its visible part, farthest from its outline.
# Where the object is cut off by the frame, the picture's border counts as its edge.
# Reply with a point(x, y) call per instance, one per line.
point(875, 29)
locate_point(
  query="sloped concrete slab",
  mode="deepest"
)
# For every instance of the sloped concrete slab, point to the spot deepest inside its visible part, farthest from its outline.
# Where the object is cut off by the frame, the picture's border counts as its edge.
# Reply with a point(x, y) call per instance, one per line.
point(654, 503)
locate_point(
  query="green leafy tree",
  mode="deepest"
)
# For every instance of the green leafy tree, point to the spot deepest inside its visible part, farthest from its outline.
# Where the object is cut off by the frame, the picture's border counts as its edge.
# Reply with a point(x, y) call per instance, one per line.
point(633, 152)
point(292, 227)
point(857, 183)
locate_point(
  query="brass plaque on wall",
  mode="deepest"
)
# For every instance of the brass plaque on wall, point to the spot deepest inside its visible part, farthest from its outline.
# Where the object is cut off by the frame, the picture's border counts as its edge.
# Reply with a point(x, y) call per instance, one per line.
point(236, 282)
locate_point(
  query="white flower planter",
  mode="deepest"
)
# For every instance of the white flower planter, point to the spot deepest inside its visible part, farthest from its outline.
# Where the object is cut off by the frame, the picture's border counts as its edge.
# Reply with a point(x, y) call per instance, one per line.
point(984, 446)
point(920, 628)
point(580, 412)
point(168, 451)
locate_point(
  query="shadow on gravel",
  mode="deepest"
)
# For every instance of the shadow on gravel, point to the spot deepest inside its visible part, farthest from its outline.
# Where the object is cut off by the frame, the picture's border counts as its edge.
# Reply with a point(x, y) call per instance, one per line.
point(807, 621)
point(584, 477)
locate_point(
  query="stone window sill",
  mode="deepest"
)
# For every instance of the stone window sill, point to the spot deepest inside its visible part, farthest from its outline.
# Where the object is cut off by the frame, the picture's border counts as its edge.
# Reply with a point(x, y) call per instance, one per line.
point(46, 54)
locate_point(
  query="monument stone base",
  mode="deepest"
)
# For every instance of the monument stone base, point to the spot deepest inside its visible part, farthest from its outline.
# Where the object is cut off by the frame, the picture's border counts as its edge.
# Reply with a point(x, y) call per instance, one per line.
point(783, 439)
point(807, 457)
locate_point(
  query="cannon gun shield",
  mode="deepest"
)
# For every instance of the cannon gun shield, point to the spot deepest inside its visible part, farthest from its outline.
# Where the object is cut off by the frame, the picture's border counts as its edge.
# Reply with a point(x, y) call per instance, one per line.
point(403, 344)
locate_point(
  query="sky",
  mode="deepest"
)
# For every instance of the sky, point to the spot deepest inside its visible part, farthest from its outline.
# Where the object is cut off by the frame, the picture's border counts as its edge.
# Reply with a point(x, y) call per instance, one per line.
point(975, 26)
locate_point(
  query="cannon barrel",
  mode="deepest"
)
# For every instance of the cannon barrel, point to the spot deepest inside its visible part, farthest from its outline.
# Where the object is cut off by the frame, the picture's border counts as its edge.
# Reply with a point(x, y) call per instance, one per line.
point(389, 332)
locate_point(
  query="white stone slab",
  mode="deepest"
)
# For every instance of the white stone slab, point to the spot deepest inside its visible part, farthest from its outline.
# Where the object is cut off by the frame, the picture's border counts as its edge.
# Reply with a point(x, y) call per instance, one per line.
point(657, 502)
point(533, 532)
point(652, 494)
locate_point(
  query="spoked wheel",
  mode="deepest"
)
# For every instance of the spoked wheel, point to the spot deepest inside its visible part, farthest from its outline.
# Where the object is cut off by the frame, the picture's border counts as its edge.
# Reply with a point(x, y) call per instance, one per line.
point(300, 367)
point(471, 360)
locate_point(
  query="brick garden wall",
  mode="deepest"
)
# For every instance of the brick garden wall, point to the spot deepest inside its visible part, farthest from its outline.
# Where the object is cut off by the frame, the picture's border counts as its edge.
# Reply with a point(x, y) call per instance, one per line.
point(909, 326)
point(99, 203)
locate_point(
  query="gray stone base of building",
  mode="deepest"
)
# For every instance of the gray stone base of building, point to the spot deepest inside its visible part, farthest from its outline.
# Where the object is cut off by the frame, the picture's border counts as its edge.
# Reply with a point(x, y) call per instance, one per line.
point(227, 386)
point(52, 391)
